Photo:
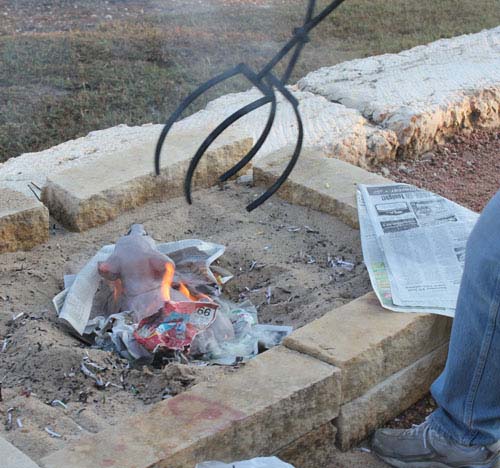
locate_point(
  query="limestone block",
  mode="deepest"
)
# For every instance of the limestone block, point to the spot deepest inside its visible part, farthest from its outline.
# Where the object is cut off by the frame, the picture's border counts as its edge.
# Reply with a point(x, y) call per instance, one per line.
point(272, 401)
point(341, 132)
point(96, 192)
point(424, 93)
point(315, 449)
point(14, 458)
point(324, 184)
point(388, 398)
point(24, 222)
point(369, 343)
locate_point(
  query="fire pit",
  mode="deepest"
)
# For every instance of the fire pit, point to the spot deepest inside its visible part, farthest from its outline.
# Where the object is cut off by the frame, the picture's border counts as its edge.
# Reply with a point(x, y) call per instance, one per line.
point(292, 263)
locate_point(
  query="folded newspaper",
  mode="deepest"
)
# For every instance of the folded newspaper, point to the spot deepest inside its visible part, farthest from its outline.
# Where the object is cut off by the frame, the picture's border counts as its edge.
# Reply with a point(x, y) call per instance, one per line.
point(413, 245)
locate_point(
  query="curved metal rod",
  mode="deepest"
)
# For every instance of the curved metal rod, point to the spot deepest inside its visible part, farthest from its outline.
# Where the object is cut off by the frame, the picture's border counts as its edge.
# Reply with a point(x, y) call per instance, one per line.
point(298, 49)
point(258, 145)
point(213, 135)
point(299, 37)
point(279, 182)
point(188, 101)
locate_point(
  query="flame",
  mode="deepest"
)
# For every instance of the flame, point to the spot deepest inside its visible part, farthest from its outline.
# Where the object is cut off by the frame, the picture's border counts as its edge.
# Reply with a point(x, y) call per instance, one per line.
point(117, 289)
point(184, 290)
point(166, 283)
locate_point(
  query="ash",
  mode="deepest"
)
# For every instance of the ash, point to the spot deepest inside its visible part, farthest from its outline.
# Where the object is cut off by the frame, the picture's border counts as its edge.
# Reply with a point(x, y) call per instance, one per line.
point(286, 259)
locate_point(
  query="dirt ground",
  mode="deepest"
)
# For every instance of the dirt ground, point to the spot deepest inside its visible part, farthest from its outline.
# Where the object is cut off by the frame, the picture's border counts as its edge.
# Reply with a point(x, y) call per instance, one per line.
point(40, 364)
point(466, 169)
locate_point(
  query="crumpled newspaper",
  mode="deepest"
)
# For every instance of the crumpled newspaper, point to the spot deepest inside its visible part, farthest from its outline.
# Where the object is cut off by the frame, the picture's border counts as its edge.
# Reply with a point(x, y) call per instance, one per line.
point(192, 257)
point(216, 330)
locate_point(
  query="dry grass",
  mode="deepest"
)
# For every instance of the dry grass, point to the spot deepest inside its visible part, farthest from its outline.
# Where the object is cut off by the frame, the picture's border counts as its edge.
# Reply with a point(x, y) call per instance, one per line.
point(57, 84)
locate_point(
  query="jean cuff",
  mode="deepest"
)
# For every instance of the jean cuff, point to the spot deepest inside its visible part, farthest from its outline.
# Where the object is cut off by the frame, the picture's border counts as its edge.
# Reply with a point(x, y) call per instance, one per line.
point(442, 424)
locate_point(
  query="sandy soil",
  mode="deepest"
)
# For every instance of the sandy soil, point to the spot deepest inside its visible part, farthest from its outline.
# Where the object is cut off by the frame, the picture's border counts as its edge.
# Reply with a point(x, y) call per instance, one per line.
point(41, 362)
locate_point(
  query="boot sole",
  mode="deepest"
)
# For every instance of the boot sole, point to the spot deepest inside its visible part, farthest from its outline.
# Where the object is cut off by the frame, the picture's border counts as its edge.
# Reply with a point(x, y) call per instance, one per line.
point(434, 464)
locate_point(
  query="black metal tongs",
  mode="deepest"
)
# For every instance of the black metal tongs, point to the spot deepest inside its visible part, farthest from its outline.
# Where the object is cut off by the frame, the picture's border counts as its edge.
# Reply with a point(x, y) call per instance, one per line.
point(267, 83)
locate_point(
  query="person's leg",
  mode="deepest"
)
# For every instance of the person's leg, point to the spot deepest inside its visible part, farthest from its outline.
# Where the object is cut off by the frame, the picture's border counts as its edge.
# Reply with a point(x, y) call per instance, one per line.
point(468, 391)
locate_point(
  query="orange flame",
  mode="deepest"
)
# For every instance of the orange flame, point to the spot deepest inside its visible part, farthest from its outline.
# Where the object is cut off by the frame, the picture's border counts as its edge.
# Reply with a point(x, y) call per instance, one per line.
point(184, 290)
point(117, 289)
point(166, 283)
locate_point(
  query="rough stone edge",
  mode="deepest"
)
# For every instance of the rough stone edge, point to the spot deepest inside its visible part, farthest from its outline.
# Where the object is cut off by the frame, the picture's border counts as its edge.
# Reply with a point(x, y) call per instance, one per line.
point(343, 207)
point(36, 218)
point(79, 215)
point(372, 362)
point(298, 194)
point(313, 450)
point(360, 417)
point(422, 132)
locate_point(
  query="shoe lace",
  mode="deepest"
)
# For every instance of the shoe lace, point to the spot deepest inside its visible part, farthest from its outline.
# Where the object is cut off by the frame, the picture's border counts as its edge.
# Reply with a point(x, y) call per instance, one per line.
point(419, 430)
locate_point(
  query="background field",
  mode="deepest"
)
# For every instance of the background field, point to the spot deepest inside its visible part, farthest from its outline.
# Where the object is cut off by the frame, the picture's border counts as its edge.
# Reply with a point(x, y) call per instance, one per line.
point(69, 67)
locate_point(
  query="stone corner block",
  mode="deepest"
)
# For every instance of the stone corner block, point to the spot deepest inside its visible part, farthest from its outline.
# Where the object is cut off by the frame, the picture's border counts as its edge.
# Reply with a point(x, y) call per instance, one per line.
point(270, 402)
point(318, 182)
point(389, 398)
point(94, 193)
point(369, 343)
point(13, 457)
point(24, 222)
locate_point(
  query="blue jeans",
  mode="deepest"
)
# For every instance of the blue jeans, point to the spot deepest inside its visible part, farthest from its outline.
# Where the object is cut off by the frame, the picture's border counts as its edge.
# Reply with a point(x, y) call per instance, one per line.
point(468, 390)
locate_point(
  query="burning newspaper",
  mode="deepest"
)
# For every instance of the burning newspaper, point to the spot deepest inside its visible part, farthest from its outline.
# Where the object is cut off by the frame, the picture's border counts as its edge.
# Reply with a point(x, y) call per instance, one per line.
point(140, 298)
point(413, 245)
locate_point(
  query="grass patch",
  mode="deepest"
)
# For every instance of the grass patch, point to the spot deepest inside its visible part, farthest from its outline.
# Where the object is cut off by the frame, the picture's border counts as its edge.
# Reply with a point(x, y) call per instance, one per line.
point(59, 85)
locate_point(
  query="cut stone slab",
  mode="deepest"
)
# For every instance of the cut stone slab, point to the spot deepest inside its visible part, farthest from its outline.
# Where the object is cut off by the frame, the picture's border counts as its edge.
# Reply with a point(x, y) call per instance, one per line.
point(315, 449)
point(322, 183)
point(340, 131)
point(24, 221)
point(369, 343)
point(389, 398)
point(96, 192)
point(14, 458)
point(424, 93)
point(269, 403)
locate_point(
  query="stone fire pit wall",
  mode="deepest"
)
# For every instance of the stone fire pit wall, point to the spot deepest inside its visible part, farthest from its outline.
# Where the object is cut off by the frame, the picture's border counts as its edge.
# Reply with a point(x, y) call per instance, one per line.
point(338, 378)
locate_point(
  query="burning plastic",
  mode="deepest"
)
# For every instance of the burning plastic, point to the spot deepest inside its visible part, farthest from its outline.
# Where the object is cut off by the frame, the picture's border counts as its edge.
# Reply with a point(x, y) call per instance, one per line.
point(140, 298)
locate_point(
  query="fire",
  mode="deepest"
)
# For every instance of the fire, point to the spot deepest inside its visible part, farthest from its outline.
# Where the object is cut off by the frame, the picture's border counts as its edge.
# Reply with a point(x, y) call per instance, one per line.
point(166, 283)
point(184, 290)
point(117, 289)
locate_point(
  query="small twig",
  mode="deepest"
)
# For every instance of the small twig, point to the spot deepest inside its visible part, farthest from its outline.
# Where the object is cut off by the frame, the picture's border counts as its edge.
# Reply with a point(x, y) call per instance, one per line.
point(311, 230)
point(52, 433)
point(8, 423)
point(98, 381)
point(269, 294)
point(58, 403)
